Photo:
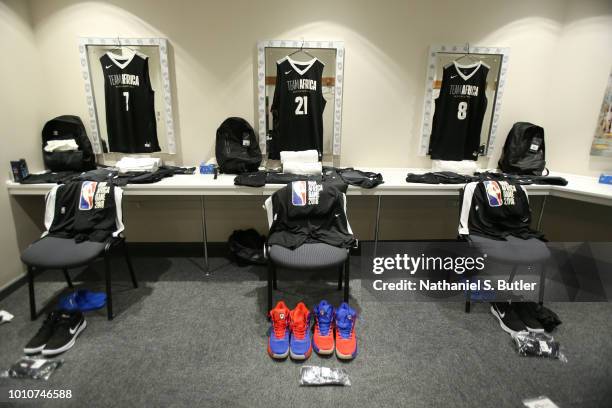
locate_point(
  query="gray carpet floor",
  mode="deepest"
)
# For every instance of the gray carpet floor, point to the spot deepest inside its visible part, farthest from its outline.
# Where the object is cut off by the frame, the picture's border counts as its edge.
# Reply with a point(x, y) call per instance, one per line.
point(184, 339)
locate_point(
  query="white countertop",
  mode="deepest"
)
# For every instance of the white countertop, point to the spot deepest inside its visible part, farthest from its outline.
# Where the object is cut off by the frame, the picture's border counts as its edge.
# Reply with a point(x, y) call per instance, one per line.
point(582, 188)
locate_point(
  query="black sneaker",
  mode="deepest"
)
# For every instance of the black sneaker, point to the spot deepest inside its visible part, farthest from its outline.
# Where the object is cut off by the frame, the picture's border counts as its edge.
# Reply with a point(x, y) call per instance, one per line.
point(69, 325)
point(508, 319)
point(526, 311)
point(42, 336)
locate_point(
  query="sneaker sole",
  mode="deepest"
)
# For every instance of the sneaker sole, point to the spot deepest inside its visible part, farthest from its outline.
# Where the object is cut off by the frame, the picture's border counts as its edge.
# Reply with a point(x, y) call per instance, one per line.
point(346, 356)
point(300, 356)
point(325, 352)
point(535, 330)
point(33, 350)
point(68, 345)
point(278, 356)
point(501, 323)
point(322, 352)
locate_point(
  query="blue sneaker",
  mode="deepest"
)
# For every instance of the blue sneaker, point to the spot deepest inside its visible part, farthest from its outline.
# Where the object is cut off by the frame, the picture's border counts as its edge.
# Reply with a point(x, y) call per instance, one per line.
point(278, 340)
point(300, 345)
point(323, 336)
point(83, 300)
point(346, 341)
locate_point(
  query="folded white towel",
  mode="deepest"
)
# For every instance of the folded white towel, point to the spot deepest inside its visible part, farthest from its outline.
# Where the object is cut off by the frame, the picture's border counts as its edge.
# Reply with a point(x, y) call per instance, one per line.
point(314, 169)
point(63, 145)
point(127, 164)
point(466, 167)
point(304, 156)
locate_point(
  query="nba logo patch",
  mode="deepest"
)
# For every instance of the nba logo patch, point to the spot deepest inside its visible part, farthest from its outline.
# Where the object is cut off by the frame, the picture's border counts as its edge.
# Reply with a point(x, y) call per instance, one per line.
point(494, 193)
point(298, 193)
point(88, 192)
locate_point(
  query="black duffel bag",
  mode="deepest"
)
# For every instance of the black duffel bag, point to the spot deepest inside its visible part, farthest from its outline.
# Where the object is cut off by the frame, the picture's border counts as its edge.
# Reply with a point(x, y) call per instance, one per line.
point(247, 247)
point(524, 151)
point(62, 128)
point(236, 147)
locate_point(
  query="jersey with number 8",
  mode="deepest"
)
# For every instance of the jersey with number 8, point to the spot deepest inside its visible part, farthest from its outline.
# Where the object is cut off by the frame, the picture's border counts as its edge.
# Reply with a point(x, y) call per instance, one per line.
point(459, 112)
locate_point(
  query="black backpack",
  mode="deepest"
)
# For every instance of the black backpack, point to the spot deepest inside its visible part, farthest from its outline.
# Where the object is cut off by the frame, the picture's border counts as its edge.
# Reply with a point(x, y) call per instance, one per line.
point(524, 151)
point(236, 147)
point(68, 127)
point(247, 247)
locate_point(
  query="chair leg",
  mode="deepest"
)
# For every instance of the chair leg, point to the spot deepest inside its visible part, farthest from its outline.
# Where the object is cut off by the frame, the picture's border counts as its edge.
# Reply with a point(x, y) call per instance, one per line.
point(468, 306)
point(270, 284)
point(274, 279)
point(31, 292)
point(347, 267)
point(109, 296)
point(512, 274)
point(129, 264)
point(67, 276)
point(340, 273)
point(542, 283)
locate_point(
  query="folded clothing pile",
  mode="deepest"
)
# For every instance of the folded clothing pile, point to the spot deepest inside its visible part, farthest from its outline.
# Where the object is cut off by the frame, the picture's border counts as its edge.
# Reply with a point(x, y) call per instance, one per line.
point(62, 145)
point(143, 164)
point(465, 167)
point(301, 162)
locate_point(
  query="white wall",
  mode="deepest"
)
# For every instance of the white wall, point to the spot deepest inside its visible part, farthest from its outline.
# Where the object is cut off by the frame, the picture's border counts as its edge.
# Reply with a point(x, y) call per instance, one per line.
point(386, 42)
point(20, 91)
point(575, 89)
point(559, 64)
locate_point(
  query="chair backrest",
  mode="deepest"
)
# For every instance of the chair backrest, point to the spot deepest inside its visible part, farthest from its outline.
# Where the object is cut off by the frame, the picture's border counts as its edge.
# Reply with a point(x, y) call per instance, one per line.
point(495, 208)
point(268, 206)
point(83, 201)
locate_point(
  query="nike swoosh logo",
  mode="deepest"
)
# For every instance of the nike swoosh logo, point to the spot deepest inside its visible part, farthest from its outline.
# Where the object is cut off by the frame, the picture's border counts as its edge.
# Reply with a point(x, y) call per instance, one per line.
point(288, 72)
point(108, 66)
point(453, 76)
point(72, 331)
point(502, 315)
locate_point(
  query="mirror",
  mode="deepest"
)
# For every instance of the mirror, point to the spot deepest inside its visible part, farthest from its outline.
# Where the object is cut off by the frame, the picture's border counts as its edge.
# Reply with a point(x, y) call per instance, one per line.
point(128, 95)
point(298, 110)
point(602, 141)
point(474, 116)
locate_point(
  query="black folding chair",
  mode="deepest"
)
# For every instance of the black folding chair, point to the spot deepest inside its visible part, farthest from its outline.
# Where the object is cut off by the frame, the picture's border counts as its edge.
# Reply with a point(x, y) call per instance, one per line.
point(306, 257)
point(515, 252)
point(52, 252)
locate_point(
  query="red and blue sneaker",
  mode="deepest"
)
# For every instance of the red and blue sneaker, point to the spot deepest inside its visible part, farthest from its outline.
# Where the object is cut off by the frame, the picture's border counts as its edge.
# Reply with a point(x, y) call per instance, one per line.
point(323, 336)
point(300, 344)
point(278, 336)
point(346, 341)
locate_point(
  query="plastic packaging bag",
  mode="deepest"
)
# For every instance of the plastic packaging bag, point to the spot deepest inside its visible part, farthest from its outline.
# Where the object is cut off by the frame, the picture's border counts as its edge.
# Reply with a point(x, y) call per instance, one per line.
point(32, 368)
point(315, 375)
point(538, 344)
point(5, 316)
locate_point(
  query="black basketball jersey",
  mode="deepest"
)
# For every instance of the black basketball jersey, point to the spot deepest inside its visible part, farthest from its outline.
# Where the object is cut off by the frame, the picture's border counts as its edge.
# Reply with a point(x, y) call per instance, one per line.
point(85, 211)
point(297, 107)
point(310, 212)
point(130, 112)
point(459, 112)
point(496, 209)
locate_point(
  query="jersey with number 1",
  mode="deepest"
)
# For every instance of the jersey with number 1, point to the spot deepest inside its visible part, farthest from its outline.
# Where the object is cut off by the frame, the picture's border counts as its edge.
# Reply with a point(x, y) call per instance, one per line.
point(297, 107)
point(130, 113)
point(459, 112)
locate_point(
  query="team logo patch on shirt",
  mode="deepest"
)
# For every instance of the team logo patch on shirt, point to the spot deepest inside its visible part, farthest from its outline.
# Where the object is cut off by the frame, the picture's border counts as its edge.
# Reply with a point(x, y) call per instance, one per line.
point(494, 193)
point(298, 193)
point(88, 192)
